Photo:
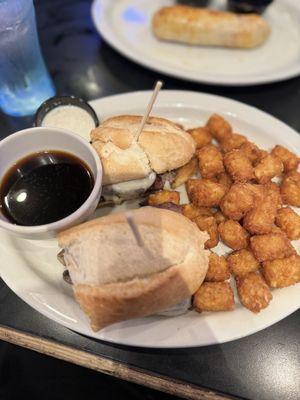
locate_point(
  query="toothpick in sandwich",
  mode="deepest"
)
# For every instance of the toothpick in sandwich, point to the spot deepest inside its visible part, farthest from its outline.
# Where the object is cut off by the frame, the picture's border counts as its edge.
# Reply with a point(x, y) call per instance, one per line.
point(156, 90)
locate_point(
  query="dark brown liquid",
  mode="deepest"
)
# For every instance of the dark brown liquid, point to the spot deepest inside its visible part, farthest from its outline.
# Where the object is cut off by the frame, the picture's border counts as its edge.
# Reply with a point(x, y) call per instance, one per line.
point(44, 187)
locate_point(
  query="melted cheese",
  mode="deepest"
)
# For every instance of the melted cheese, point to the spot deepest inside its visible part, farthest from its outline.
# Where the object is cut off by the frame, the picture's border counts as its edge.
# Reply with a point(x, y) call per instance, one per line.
point(128, 190)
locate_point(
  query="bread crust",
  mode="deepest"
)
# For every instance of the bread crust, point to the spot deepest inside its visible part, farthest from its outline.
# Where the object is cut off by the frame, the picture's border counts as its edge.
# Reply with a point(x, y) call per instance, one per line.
point(111, 303)
point(122, 165)
point(162, 146)
point(201, 26)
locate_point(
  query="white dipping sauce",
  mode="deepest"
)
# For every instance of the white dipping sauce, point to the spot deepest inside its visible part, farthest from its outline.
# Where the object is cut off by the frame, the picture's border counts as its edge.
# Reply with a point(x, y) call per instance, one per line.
point(72, 118)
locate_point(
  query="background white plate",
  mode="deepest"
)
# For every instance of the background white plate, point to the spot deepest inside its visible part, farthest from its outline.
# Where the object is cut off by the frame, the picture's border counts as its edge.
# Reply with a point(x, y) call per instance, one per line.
point(126, 25)
point(31, 270)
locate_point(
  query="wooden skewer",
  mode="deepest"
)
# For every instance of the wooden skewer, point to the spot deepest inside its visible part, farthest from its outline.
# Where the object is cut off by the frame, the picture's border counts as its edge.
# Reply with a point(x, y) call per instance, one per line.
point(157, 88)
point(134, 228)
point(129, 215)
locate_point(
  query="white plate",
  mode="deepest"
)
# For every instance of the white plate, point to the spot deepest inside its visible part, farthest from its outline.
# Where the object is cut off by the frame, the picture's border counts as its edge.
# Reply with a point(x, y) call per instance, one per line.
point(31, 270)
point(126, 25)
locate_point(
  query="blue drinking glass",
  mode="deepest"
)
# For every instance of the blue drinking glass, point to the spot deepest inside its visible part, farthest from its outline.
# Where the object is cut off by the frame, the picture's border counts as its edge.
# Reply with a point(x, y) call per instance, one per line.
point(24, 80)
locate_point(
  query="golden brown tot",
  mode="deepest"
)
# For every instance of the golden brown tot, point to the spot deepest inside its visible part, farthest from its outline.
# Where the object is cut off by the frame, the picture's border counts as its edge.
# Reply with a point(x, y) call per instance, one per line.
point(238, 166)
point(214, 296)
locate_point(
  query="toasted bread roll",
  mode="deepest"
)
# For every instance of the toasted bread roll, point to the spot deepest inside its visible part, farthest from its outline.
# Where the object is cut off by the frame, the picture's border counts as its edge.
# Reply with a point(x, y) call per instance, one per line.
point(200, 26)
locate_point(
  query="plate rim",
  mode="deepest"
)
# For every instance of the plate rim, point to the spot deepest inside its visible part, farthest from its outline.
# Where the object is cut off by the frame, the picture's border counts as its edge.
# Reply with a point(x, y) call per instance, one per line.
point(81, 329)
point(112, 39)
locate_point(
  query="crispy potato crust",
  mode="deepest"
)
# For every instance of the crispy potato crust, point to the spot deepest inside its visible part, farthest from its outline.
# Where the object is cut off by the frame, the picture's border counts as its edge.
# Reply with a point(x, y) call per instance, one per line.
point(185, 172)
point(210, 161)
point(238, 166)
point(283, 272)
point(205, 192)
point(290, 189)
point(242, 262)
point(219, 127)
point(234, 141)
point(289, 221)
point(272, 193)
point(233, 234)
point(290, 160)
point(218, 270)
point(267, 168)
point(253, 292)
point(219, 217)
point(224, 179)
point(261, 217)
point(271, 246)
point(214, 296)
point(164, 196)
point(201, 136)
point(209, 225)
point(251, 151)
point(192, 212)
point(238, 200)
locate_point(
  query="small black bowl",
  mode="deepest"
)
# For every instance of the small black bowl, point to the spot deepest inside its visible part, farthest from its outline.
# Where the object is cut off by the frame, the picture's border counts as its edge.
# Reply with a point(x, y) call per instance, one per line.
point(57, 101)
point(248, 6)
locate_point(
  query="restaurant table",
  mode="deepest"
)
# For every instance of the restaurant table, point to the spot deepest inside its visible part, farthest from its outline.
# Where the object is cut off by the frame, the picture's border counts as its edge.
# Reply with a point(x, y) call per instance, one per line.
point(263, 366)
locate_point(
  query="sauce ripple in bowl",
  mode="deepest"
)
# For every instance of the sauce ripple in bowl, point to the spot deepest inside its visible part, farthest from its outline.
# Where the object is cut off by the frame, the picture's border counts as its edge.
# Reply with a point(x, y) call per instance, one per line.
point(35, 141)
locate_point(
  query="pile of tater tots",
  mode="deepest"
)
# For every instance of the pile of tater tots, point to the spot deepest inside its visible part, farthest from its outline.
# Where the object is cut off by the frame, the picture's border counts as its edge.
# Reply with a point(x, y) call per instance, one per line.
point(237, 201)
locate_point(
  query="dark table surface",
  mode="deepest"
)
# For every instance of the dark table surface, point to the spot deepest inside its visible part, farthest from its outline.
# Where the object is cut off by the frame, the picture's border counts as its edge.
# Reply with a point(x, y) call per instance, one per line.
point(264, 366)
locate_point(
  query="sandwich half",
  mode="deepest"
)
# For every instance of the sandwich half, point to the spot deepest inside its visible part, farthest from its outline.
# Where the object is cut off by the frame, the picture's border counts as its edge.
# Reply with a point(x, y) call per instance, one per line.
point(116, 279)
point(131, 167)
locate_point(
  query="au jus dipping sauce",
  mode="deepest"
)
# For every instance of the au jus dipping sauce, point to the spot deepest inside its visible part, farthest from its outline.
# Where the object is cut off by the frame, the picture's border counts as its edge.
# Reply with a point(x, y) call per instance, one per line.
point(44, 187)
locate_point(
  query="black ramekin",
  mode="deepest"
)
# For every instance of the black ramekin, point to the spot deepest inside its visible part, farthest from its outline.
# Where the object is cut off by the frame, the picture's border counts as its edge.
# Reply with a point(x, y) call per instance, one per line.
point(57, 101)
point(248, 6)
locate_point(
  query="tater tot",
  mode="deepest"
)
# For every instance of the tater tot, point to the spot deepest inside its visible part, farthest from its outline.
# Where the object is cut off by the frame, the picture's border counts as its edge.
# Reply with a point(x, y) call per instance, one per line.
point(219, 217)
point(272, 193)
point(201, 136)
point(214, 296)
point(233, 234)
point(253, 292)
point(290, 160)
point(192, 212)
point(234, 141)
point(283, 272)
point(251, 151)
point(219, 127)
point(271, 246)
point(238, 166)
point(218, 270)
point(276, 229)
point(290, 189)
point(289, 221)
point(205, 192)
point(242, 262)
point(238, 200)
point(260, 219)
point(209, 225)
point(210, 161)
point(263, 154)
point(185, 172)
point(224, 179)
point(164, 196)
point(267, 168)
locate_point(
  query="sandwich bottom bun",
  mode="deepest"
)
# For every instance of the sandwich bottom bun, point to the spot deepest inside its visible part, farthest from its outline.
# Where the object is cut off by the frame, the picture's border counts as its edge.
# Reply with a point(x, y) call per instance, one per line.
point(115, 279)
